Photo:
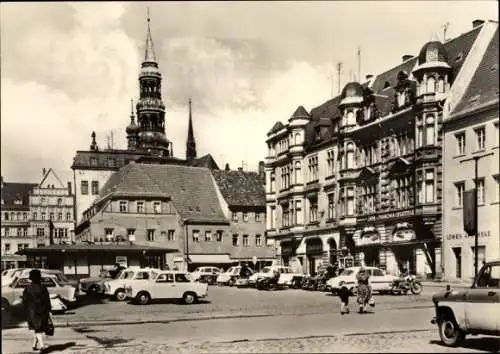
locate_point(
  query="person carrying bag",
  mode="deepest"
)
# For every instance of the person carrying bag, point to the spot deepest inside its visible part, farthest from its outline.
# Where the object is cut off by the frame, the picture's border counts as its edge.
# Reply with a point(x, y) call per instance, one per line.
point(36, 301)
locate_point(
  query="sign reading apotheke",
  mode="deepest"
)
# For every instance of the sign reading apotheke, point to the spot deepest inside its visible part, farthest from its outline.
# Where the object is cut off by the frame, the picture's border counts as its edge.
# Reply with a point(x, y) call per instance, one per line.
point(465, 236)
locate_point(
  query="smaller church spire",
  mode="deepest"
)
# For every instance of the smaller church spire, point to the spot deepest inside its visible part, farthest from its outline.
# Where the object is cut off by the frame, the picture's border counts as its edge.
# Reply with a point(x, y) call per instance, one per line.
point(132, 109)
point(191, 144)
point(149, 53)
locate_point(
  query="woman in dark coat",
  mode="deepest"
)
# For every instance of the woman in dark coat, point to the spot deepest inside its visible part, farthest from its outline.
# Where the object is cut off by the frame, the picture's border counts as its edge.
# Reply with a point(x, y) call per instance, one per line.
point(36, 301)
point(364, 289)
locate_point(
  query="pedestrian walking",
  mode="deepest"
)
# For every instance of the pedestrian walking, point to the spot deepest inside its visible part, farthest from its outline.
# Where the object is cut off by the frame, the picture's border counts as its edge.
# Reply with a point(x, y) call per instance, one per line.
point(364, 290)
point(36, 301)
point(344, 294)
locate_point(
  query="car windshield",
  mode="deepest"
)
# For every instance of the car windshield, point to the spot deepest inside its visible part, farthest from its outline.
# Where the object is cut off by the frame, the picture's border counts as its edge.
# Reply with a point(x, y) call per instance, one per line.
point(266, 270)
point(347, 272)
point(126, 275)
point(61, 277)
point(230, 270)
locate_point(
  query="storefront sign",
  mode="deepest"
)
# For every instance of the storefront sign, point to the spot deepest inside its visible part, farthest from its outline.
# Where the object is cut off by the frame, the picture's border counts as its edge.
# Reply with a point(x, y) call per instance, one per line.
point(403, 235)
point(465, 236)
point(121, 260)
point(368, 238)
point(395, 214)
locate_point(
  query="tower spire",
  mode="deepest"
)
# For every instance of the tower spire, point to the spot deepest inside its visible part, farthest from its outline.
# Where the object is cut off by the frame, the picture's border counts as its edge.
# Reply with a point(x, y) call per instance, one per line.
point(191, 144)
point(149, 53)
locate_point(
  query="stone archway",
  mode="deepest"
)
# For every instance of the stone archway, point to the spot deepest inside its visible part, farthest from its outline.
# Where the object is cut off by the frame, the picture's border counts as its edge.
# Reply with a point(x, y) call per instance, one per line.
point(314, 253)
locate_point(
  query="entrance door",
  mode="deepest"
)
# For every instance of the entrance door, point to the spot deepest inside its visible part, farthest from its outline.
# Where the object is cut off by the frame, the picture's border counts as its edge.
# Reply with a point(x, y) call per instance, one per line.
point(458, 262)
point(312, 265)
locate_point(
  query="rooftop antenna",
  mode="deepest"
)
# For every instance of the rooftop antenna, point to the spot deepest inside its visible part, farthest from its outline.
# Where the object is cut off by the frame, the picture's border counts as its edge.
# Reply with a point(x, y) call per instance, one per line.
point(339, 69)
point(445, 29)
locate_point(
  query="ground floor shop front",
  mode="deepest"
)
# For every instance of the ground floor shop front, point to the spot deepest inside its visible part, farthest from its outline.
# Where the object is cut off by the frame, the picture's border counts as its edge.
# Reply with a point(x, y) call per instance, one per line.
point(14, 261)
point(78, 261)
point(222, 261)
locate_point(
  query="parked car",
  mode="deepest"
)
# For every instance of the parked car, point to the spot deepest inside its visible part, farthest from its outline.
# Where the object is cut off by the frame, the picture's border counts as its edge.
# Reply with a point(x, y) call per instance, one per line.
point(205, 274)
point(95, 285)
point(61, 277)
point(471, 311)
point(268, 272)
point(9, 274)
point(229, 277)
point(116, 287)
point(380, 280)
point(167, 285)
point(12, 294)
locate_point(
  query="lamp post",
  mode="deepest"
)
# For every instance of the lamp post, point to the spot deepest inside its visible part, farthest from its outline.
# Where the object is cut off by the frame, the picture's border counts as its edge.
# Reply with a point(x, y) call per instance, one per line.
point(476, 209)
point(187, 242)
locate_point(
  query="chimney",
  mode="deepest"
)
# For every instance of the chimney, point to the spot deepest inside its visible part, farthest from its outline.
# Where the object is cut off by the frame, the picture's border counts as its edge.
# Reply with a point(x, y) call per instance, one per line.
point(368, 76)
point(70, 191)
point(227, 168)
point(43, 171)
point(477, 23)
point(407, 57)
point(240, 169)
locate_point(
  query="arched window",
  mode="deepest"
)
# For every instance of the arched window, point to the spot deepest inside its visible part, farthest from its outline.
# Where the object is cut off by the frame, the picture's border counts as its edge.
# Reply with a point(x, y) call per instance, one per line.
point(431, 84)
point(440, 85)
point(430, 131)
point(350, 155)
point(297, 172)
point(297, 138)
point(59, 202)
point(351, 120)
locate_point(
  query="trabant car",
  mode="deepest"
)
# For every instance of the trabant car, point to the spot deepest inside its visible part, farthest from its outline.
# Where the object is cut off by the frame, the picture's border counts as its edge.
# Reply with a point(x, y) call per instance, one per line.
point(12, 294)
point(475, 310)
point(268, 272)
point(208, 274)
point(167, 285)
point(115, 288)
point(380, 281)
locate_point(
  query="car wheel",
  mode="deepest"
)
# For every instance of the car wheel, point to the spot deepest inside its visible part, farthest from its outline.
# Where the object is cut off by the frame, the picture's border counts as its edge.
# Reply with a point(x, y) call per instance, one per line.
point(231, 282)
point(93, 290)
point(190, 298)
point(416, 288)
point(143, 298)
point(5, 304)
point(449, 332)
point(120, 295)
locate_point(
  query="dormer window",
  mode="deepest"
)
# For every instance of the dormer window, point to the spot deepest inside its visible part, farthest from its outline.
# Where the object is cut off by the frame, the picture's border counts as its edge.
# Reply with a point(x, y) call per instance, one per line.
point(459, 57)
point(351, 120)
point(401, 98)
point(431, 85)
point(317, 135)
point(440, 85)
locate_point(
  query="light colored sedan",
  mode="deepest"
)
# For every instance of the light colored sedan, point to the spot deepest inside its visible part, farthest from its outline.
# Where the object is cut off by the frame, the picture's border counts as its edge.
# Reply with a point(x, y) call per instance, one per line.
point(380, 281)
point(12, 294)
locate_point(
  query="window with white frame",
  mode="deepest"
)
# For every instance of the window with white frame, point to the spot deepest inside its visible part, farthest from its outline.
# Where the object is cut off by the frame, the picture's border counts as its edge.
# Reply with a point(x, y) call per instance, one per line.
point(431, 85)
point(440, 85)
point(218, 235)
point(350, 201)
point(273, 182)
point(43, 216)
point(285, 177)
point(157, 207)
point(95, 187)
point(297, 172)
point(196, 235)
point(171, 235)
point(460, 139)
point(459, 193)
point(140, 207)
point(245, 241)
point(330, 162)
point(368, 198)
point(331, 206)
point(123, 206)
point(313, 208)
point(68, 216)
point(313, 168)
point(285, 215)
point(208, 235)
point(425, 186)
point(351, 119)
point(236, 240)
point(298, 212)
point(272, 217)
point(151, 235)
point(258, 240)
point(497, 137)
point(480, 138)
point(420, 132)
point(59, 216)
point(84, 189)
point(430, 130)
point(235, 216)
point(245, 216)
point(480, 191)
point(350, 156)
point(131, 234)
point(109, 233)
point(496, 181)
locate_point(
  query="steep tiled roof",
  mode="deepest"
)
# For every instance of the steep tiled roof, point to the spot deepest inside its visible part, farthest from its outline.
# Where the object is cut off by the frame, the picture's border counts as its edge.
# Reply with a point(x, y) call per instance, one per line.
point(11, 192)
point(191, 189)
point(105, 159)
point(205, 161)
point(300, 112)
point(240, 188)
point(276, 127)
point(483, 87)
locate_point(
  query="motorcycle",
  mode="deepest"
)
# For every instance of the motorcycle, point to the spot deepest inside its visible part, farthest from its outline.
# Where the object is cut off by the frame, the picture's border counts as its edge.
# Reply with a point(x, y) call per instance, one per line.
point(405, 284)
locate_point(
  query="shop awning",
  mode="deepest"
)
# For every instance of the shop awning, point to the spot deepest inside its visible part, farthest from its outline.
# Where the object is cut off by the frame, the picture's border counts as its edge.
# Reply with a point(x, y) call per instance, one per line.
point(110, 248)
point(211, 259)
point(13, 258)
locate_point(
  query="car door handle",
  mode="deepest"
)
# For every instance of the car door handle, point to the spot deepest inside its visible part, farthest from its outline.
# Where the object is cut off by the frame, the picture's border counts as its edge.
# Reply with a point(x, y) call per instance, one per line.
point(491, 293)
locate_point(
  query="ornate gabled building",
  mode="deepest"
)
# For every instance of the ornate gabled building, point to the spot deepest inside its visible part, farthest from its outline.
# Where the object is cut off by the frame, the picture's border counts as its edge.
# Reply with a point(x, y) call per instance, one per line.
point(146, 138)
point(359, 178)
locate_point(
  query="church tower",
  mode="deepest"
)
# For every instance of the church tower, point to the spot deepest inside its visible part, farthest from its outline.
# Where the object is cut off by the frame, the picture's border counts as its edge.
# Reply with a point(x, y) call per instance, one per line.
point(190, 144)
point(132, 129)
point(150, 108)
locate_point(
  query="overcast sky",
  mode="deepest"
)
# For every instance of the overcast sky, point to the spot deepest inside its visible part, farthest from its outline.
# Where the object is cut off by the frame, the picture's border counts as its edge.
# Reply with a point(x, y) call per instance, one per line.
point(70, 68)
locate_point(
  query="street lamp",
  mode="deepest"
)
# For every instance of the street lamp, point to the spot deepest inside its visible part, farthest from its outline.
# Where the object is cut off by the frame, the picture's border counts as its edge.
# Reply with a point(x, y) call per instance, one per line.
point(476, 209)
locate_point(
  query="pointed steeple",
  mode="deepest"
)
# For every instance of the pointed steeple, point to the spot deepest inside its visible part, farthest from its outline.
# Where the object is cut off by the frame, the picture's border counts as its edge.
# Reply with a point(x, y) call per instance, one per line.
point(191, 144)
point(149, 51)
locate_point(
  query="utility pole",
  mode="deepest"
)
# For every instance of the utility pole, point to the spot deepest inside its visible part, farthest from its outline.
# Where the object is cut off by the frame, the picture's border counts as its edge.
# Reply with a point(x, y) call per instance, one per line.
point(331, 85)
point(476, 209)
point(359, 64)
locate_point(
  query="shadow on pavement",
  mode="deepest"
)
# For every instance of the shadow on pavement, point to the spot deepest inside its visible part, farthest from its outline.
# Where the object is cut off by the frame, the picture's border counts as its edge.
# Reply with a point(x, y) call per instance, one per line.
point(174, 301)
point(58, 347)
point(108, 342)
point(487, 344)
point(13, 317)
